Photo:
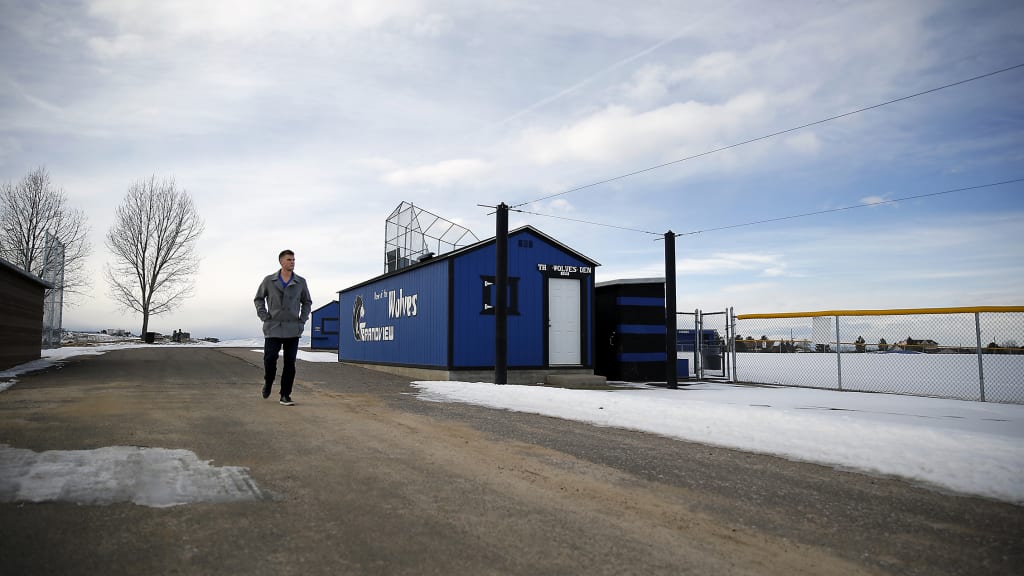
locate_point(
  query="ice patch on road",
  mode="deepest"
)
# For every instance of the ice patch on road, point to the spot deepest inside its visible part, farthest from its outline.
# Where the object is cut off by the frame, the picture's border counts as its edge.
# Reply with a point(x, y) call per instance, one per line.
point(155, 477)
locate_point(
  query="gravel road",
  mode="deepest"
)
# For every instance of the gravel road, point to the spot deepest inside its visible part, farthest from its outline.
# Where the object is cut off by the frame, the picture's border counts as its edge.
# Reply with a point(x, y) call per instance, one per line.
point(361, 477)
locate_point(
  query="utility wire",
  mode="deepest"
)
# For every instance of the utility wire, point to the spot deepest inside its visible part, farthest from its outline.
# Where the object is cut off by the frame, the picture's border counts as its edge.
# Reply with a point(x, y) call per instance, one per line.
point(586, 222)
point(772, 135)
point(864, 205)
point(769, 220)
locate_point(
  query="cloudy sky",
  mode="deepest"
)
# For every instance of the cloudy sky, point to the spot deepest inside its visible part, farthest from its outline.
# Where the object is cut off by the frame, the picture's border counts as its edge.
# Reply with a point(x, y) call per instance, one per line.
point(302, 125)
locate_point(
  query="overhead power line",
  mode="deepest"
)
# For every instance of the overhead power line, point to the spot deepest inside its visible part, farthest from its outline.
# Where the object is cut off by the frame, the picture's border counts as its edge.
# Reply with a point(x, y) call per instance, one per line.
point(770, 220)
point(864, 205)
point(773, 134)
point(585, 222)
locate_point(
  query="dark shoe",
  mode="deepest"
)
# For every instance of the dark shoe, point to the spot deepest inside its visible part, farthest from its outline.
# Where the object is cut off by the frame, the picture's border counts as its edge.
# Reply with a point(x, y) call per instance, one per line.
point(287, 401)
point(266, 390)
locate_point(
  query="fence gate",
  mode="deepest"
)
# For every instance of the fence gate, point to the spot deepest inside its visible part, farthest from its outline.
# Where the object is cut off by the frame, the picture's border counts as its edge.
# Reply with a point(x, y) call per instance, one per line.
point(707, 344)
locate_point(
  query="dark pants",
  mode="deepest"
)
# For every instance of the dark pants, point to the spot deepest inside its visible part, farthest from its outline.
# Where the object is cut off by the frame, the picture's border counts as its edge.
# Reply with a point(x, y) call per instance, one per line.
point(270, 350)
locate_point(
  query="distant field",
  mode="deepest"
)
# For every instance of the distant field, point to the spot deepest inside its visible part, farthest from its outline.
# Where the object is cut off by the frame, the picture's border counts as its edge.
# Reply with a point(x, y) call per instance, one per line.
point(945, 375)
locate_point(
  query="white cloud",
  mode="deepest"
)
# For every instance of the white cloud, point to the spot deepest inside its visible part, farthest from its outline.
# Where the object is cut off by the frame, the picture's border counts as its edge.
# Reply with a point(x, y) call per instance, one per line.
point(251, 19)
point(373, 13)
point(117, 46)
point(618, 133)
point(648, 85)
point(711, 67)
point(560, 205)
point(804, 143)
point(876, 201)
point(729, 263)
point(377, 164)
point(749, 288)
point(432, 26)
point(444, 173)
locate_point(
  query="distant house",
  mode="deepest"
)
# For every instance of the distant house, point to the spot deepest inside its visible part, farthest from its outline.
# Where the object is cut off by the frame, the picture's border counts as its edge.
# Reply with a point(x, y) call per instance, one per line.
point(917, 345)
point(21, 315)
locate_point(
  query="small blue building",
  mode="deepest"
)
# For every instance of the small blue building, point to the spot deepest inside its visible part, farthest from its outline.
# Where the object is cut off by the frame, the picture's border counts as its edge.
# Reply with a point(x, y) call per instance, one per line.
point(324, 332)
point(435, 319)
point(631, 331)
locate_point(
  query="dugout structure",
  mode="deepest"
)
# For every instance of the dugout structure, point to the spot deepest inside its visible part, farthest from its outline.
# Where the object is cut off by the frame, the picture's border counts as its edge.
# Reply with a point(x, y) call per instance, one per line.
point(435, 319)
point(630, 331)
point(21, 307)
point(326, 322)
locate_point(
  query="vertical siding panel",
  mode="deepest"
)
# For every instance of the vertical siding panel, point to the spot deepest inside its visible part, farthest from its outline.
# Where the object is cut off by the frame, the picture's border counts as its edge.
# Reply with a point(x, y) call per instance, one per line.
point(324, 329)
point(419, 325)
point(473, 336)
point(474, 330)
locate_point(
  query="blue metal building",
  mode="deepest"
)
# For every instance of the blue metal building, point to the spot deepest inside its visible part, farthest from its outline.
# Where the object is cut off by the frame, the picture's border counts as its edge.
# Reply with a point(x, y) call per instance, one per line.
point(325, 327)
point(630, 331)
point(435, 319)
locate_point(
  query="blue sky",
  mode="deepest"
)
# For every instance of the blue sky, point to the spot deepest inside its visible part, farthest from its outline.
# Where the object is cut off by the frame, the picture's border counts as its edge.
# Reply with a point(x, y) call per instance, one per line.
point(303, 125)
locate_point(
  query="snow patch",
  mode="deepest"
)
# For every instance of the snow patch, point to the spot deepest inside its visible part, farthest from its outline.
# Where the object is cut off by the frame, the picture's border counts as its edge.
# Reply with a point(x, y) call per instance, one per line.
point(968, 447)
point(154, 477)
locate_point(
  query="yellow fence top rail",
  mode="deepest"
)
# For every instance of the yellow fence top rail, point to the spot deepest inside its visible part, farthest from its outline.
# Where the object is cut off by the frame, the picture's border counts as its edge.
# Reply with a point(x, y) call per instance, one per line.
point(893, 312)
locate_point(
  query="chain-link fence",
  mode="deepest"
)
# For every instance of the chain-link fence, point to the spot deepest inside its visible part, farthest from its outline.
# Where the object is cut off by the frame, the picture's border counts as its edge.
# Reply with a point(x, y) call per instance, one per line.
point(705, 345)
point(962, 353)
point(53, 301)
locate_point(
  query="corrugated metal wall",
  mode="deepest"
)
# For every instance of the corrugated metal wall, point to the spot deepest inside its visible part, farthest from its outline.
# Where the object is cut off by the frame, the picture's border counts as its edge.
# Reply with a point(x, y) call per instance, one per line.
point(404, 319)
point(630, 331)
point(473, 320)
point(324, 329)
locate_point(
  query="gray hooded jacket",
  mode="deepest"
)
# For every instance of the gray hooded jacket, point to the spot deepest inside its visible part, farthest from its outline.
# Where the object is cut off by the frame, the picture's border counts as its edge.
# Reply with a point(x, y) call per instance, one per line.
point(284, 311)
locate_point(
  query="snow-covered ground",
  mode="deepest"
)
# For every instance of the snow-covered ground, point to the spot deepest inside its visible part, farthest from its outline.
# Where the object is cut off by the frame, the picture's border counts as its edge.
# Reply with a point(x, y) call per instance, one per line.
point(968, 447)
point(54, 356)
point(946, 375)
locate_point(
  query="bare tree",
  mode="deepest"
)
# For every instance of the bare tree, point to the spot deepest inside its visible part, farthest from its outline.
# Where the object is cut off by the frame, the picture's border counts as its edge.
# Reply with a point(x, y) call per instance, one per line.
point(34, 217)
point(153, 241)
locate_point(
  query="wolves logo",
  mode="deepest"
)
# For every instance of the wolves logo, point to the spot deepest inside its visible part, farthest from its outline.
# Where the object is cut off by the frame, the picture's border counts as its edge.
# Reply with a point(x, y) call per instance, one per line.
point(357, 316)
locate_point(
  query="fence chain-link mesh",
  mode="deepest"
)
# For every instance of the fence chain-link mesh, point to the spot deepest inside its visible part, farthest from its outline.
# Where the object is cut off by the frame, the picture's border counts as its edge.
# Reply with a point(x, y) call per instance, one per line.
point(968, 354)
point(53, 299)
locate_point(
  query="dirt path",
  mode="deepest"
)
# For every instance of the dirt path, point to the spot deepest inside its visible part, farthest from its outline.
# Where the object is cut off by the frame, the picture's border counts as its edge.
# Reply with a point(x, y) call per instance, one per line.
point(354, 483)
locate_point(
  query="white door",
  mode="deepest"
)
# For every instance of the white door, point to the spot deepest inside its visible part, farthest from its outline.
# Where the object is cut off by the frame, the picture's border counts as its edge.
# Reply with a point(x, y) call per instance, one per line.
point(564, 322)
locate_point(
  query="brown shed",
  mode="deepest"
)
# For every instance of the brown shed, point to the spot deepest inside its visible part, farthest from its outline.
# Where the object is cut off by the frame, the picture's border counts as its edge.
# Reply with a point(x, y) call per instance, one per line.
point(21, 315)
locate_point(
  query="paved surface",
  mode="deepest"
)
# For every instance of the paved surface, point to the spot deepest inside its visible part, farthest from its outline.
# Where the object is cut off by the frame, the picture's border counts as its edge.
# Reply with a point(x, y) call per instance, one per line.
point(363, 478)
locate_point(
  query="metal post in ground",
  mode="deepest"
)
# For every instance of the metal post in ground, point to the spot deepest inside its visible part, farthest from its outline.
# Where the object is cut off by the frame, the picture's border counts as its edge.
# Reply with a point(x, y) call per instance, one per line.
point(981, 362)
point(732, 342)
point(839, 355)
point(698, 344)
point(671, 375)
point(501, 296)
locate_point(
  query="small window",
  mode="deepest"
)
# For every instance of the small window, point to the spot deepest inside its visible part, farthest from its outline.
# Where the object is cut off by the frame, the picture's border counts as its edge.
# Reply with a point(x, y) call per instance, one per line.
point(525, 243)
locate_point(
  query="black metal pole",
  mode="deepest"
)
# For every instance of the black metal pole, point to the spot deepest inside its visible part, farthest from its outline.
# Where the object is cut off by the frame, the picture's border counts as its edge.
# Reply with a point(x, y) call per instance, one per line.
point(501, 296)
point(671, 375)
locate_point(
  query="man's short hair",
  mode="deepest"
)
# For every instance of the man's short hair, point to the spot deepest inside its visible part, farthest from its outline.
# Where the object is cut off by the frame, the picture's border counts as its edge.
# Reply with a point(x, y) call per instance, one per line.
point(285, 253)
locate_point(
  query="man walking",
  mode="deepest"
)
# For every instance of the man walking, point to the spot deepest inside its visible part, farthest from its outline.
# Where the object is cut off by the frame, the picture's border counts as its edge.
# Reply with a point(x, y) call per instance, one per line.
point(283, 303)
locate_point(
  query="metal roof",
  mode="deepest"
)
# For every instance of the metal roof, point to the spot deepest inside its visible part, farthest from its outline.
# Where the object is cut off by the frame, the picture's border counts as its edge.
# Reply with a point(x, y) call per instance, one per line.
point(32, 277)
